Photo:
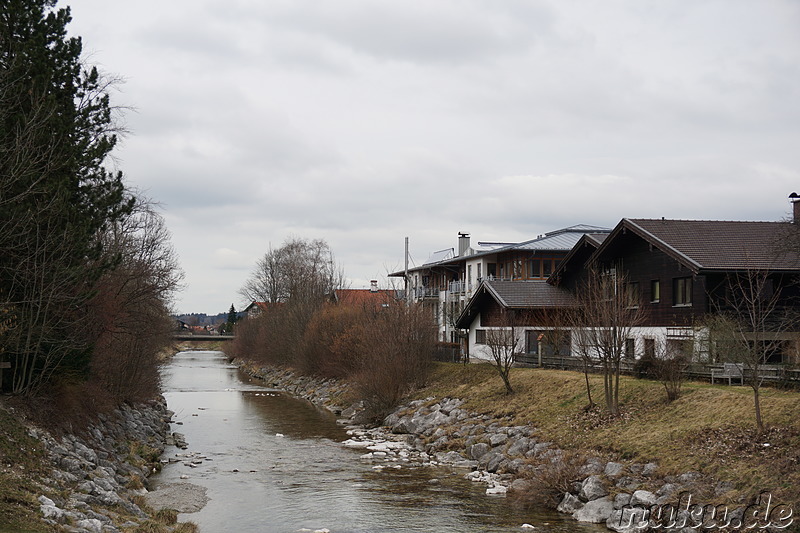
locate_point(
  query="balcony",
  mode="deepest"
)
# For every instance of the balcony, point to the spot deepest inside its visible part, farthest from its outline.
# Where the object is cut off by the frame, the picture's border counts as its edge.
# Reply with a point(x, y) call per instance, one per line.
point(456, 287)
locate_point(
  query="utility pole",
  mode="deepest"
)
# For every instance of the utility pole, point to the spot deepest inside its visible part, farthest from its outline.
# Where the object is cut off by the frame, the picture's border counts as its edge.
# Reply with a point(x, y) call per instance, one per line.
point(408, 284)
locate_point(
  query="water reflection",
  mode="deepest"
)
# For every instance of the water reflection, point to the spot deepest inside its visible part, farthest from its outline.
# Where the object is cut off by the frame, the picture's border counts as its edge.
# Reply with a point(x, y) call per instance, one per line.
point(276, 464)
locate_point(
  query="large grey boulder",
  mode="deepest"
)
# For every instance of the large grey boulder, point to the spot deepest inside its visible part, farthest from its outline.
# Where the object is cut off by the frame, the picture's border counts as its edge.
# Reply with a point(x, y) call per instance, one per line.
point(431, 422)
point(643, 498)
point(569, 504)
point(404, 425)
point(621, 500)
point(596, 511)
point(476, 451)
point(592, 488)
point(498, 439)
point(627, 520)
point(649, 469)
point(496, 462)
point(519, 447)
point(614, 469)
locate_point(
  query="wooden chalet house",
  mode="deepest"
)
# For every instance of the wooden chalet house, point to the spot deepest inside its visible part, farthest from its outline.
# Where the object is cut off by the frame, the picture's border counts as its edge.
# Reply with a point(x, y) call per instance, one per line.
point(679, 271)
point(447, 281)
point(683, 271)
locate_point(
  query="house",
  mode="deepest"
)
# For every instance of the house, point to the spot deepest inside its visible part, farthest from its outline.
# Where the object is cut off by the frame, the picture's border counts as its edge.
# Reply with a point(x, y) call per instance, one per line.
point(530, 308)
point(447, 281)
point(372, 298)
point(256, 309)
point(678, 271)
point(681, 271)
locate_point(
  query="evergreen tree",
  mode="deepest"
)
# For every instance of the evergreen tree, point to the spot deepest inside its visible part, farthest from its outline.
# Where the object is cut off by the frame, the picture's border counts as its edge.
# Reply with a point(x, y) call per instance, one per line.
point(56, 195)
point(232, 319)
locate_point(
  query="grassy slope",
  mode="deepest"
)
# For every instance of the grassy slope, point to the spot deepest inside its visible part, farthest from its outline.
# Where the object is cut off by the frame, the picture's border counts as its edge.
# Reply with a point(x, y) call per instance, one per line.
point(710, 429)
point(21, 461)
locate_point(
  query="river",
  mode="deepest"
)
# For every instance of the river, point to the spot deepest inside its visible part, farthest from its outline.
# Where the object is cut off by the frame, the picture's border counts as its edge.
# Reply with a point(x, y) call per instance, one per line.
point(273, 463)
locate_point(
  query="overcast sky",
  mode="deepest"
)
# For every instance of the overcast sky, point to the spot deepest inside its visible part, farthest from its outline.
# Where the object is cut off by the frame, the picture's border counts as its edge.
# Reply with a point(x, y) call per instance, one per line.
point(362, 122)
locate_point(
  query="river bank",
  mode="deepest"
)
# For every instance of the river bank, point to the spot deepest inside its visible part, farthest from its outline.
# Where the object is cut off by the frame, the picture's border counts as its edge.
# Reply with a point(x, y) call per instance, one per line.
point(92, 481)
point(521, 462)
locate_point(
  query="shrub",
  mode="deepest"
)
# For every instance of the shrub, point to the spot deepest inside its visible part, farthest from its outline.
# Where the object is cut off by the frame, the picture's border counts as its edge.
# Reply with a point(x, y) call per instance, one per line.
point(671, 372)
point(168, 517)
point(396, 348)
point(551, 479)
point(331, 340)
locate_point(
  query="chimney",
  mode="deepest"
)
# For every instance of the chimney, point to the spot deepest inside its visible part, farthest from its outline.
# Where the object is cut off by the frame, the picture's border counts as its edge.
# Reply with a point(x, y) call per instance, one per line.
point(463, 243)
point(795, 199)
point(373, 285)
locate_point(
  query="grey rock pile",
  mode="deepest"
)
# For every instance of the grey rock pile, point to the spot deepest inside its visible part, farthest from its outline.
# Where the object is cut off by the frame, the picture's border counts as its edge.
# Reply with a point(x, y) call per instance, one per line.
point(101, 469)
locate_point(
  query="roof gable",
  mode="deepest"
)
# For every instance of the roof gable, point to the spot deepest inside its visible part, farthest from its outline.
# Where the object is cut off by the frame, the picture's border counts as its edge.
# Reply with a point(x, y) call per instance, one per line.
point(577, 257)
point(526, 294)
point(709, 245)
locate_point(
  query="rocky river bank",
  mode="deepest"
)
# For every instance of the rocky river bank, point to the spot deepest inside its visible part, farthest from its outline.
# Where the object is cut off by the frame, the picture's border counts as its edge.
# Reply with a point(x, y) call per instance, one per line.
point(98, 479)
point(518, 462)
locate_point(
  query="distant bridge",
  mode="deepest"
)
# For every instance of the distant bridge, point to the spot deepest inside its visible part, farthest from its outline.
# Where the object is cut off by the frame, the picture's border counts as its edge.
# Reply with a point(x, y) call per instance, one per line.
point(189, 337)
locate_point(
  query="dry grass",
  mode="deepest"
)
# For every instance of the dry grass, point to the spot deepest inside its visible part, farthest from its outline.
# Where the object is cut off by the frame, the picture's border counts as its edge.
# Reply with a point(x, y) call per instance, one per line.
point(710, 429)
point(551, 479)
point(22, 459)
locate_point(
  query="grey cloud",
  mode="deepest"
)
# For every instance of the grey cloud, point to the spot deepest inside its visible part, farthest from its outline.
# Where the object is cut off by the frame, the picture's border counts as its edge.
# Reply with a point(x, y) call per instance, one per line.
point(440, 32)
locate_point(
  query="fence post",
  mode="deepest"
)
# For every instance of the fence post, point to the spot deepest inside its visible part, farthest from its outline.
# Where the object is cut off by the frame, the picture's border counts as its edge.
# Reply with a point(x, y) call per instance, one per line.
point(3, 364)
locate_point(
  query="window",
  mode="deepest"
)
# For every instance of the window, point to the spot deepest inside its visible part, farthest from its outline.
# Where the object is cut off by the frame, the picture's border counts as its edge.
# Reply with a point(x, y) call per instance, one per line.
point(682, 291)
point(650, 348)
point(532, 341)
point(655, 291)
point(547, 267)
point(480, 336)
point(684, 347)
point(479, 271)
point(552, 342)
point(469, 276)
point(534, 268)
point(632, 294)
point(630, 348)
point(491, 269)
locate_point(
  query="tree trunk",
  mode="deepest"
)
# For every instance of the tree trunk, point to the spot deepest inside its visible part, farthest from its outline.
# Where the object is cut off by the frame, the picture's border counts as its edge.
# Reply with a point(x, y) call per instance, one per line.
point(588, 389)
point(757, 402)
point(507, 382)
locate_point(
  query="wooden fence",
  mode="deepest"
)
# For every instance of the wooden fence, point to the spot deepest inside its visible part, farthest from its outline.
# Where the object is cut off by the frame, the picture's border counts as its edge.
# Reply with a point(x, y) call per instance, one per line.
point(788, 375)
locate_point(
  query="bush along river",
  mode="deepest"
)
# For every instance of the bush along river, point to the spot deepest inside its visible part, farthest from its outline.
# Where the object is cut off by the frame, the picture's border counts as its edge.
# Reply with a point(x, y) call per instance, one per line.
point(247, 456)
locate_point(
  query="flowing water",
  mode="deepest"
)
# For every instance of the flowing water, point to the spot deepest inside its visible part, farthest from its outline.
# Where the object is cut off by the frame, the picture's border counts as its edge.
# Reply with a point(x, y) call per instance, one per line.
point(274, 463)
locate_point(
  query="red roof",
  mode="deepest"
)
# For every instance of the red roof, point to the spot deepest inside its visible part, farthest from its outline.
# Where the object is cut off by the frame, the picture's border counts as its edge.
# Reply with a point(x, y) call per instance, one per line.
point(363, 297)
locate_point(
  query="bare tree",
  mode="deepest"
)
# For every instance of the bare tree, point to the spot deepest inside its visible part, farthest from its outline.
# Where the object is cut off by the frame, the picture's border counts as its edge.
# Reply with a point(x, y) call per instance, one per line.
point(608, 311)
point(299, 269)
point(129, 313)
point(752, 322)
point(300, 275)
point(504, 342)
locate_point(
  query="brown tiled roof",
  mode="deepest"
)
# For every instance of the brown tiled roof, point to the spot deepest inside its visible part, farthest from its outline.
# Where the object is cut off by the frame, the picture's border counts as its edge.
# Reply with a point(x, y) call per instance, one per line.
point(529, 294)
point(522, 294)
point(722, 245)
